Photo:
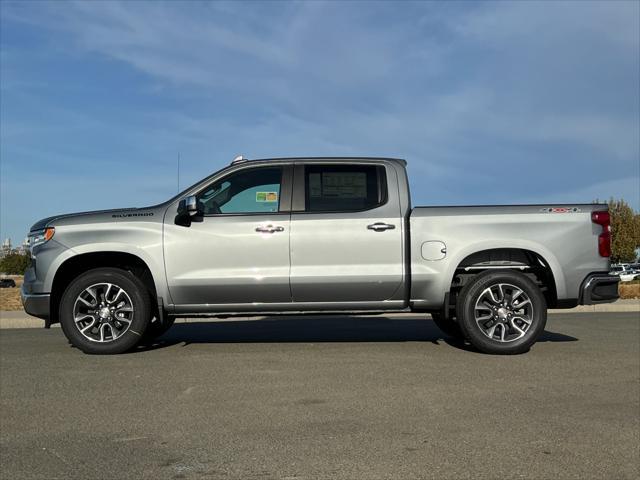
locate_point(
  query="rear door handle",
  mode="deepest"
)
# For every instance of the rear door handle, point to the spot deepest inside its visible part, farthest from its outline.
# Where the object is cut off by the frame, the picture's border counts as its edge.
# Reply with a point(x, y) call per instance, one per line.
point(269, 229)
point(380, 227)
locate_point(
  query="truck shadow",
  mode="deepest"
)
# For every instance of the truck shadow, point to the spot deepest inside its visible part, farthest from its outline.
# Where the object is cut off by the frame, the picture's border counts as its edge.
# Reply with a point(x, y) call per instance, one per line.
point(312, 329)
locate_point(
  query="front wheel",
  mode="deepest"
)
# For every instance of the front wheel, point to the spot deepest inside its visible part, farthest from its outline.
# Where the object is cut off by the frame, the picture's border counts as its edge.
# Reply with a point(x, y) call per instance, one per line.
point(105, 311)
point(502, 312)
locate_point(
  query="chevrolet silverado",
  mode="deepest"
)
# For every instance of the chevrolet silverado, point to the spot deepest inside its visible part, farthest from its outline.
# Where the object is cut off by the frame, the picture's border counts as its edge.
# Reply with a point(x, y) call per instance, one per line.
point(330, 235)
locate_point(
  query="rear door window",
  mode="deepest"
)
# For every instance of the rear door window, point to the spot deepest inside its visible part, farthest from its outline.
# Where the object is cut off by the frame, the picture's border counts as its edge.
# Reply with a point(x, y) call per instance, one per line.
point(344, 188)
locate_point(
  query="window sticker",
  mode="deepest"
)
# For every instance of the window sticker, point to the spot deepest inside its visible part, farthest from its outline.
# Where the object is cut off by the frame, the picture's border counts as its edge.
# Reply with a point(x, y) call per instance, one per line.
point(344, 184)
point(266, 197)
point(338, 185)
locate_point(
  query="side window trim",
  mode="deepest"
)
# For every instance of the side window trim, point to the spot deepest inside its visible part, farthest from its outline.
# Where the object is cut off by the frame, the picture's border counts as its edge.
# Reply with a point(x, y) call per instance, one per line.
point(298, 203)
point(286, 191)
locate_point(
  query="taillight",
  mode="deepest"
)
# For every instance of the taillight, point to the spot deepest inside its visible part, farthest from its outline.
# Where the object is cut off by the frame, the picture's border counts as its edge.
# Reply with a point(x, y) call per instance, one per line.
point(604, 239)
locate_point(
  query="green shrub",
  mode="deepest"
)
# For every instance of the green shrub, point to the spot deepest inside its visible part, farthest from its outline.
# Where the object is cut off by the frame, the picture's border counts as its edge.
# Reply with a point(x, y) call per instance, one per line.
point(14, 264)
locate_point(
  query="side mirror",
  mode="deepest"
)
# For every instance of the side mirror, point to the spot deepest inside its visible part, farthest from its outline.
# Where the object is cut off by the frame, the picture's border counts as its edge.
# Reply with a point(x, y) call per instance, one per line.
point(188, 211)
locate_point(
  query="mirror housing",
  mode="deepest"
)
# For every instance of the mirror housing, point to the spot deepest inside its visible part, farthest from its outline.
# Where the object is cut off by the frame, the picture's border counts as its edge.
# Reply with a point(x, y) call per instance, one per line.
point(188, 211)
point(191, 204)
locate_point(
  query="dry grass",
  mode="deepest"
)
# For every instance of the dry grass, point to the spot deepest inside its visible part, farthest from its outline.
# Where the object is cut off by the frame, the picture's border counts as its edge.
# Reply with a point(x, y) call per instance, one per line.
point(629, 289)
point(10, 297)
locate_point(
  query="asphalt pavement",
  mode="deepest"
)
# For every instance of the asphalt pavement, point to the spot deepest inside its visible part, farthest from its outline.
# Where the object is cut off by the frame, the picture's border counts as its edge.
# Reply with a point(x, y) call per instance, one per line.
point(324, 397)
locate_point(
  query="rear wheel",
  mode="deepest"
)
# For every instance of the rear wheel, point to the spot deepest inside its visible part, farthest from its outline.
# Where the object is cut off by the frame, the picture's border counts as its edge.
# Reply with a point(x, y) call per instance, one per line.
point(501, 312)
point(105, 311)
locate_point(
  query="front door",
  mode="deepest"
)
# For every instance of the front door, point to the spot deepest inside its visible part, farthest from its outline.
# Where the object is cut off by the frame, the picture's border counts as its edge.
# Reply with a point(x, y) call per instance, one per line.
point(239, 252)
point(346, 243)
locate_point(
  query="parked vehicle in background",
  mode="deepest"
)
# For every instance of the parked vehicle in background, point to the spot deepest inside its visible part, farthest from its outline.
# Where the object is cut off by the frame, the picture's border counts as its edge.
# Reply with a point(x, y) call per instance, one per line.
point(316, 235)
point(7, 283)
point(624, 271)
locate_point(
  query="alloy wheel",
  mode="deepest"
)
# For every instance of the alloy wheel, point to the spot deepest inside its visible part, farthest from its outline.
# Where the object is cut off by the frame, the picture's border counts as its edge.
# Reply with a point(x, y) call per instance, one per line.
point(503, 312)
point(103, 312)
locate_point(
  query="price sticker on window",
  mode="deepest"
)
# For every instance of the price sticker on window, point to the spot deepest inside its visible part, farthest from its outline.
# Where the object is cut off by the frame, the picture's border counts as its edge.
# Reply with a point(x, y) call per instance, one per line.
point(266, 197)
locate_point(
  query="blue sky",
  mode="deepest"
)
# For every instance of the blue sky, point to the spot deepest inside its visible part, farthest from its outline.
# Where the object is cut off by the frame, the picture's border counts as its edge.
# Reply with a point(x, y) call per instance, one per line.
point(507, 102)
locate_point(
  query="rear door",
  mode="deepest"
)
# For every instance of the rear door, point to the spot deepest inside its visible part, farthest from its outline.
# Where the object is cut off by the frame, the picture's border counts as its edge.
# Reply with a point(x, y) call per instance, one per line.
point(346, 233)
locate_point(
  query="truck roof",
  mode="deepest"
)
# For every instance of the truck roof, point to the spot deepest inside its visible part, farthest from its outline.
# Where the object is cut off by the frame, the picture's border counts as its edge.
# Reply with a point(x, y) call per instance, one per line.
point(241, 159)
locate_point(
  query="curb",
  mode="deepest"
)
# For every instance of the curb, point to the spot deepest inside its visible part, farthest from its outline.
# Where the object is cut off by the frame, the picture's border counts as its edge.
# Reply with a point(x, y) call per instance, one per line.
point(20, 319)
point(626, 305)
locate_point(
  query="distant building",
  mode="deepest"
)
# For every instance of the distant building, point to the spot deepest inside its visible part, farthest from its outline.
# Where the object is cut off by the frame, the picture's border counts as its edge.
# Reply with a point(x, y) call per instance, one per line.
point(6, 248)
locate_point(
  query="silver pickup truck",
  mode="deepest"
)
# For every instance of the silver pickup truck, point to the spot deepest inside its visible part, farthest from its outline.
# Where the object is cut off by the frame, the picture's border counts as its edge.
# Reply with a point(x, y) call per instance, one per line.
point(289, 235)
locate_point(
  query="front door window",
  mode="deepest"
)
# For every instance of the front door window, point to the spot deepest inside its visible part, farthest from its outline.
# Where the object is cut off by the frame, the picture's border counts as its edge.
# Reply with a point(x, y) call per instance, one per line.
point(249, 191)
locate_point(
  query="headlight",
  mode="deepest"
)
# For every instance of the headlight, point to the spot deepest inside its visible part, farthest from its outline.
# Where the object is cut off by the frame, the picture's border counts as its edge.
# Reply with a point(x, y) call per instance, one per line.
point(40, 237)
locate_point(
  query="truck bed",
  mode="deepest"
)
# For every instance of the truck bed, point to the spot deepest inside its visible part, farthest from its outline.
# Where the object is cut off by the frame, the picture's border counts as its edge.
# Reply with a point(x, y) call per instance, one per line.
point(561, 235)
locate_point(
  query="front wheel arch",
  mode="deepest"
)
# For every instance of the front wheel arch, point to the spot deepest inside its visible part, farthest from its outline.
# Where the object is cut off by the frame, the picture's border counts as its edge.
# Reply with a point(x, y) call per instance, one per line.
point(79, 264)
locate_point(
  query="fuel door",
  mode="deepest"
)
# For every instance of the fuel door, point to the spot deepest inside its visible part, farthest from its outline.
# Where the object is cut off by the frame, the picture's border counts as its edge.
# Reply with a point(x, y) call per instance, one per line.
point(434, 250)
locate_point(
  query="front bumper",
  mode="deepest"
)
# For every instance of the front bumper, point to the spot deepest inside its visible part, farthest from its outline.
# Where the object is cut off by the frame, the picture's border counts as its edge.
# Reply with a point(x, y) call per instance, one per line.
point(36, 304)
point(599, 288)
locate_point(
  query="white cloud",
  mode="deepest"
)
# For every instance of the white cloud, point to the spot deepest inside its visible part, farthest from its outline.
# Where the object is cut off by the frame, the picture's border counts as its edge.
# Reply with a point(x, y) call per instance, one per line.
point(547, 22)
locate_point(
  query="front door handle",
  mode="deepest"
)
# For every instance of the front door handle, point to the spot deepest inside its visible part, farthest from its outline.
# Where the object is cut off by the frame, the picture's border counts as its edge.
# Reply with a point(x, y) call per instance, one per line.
point(380, 227)
point(269, 229)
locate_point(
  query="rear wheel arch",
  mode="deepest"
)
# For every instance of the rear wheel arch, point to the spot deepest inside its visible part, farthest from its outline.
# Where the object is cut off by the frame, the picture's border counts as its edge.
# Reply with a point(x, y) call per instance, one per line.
point(524, 260)
point(79, 264)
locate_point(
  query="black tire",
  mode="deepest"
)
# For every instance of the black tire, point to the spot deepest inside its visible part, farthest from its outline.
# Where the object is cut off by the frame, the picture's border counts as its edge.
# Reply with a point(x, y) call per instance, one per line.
point(139, 317)
point(155, 328)
point(477, 288)
point(448, 325)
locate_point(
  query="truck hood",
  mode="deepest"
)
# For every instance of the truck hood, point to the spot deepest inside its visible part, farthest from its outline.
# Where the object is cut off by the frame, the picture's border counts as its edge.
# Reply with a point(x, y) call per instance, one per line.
point(96, 216)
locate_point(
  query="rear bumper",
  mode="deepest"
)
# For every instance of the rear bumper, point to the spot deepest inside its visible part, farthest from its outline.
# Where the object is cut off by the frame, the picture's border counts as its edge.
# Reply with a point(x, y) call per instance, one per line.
point(36, 304)
point(599, 288)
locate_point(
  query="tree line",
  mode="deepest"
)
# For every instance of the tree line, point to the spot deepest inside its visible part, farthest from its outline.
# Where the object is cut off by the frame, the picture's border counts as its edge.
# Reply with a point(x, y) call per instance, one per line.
point(14, 263)
point(625, 231)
